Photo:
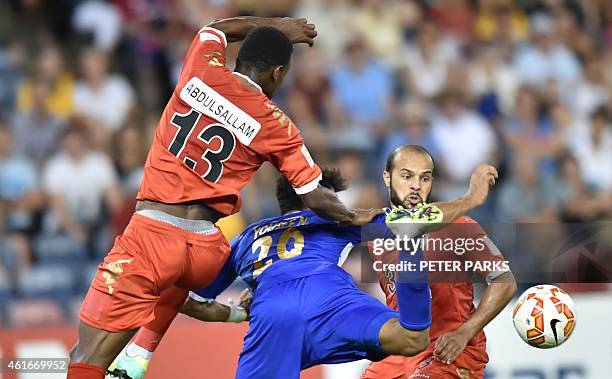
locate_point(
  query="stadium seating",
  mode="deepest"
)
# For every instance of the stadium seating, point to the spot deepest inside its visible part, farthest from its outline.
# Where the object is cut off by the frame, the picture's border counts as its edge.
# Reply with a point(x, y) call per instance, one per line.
point(58, 250)
point(25, 313)
point(48, 281)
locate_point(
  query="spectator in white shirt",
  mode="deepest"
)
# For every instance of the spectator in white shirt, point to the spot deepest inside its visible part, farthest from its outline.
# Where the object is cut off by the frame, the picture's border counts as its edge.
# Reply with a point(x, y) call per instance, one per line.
point(545, 58)
point(105, 99)
point(593, 152)
point(463, 140)
point(77, 181)
point(490, 74)
point(428, 61)
point(591, 90)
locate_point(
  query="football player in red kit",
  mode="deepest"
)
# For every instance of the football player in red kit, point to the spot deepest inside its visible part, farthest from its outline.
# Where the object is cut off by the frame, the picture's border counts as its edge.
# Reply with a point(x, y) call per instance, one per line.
point(217, 129)
point(457, 346)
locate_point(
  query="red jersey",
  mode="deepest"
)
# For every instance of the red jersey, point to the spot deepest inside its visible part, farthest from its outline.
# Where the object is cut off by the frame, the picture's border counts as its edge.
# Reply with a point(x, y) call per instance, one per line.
point(451, 302)
point(216, 131)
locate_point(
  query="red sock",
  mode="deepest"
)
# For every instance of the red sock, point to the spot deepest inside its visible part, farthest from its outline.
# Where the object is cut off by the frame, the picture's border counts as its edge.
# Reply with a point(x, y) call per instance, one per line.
point(168, 306)
point(85, 371)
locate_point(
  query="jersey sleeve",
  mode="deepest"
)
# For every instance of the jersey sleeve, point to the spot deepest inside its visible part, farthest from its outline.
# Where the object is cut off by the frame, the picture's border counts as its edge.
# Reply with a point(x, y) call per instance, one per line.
point(211, 44)
point(284, 147)
point(484, 250)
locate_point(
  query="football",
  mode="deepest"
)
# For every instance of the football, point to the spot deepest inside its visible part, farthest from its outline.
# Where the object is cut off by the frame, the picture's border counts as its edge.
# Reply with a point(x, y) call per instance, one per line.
point(544, 316)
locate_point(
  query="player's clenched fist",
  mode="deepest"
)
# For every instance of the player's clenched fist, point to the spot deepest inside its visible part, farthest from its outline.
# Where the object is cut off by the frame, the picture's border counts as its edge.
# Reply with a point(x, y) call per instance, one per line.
point(298, 30)
point(482, 180)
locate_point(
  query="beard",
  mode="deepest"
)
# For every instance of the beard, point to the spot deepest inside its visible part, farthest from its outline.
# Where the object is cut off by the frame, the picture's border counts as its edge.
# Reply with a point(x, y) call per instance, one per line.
point(396, 200)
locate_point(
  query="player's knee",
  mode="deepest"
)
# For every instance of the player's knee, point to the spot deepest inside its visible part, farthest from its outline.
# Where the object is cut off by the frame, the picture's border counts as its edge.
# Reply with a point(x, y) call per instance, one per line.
point(396, 340)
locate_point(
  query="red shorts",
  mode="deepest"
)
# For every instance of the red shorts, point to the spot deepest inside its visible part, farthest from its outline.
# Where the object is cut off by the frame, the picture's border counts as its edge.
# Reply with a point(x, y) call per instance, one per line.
point(147, 258)
point(433, 368)
point(429, 368)
point(392, 367)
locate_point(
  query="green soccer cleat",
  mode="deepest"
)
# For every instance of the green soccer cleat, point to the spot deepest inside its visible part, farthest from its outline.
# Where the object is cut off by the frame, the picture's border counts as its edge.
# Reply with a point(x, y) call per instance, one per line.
point(135, 367)
point(413, 222)
point(422, 213)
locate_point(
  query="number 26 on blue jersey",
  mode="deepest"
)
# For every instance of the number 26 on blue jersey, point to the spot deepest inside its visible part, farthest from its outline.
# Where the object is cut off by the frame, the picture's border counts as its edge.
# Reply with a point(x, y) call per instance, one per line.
point(265, 243)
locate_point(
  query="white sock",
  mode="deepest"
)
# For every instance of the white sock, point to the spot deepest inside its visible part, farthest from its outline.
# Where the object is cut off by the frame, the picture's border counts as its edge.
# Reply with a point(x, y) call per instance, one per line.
point(134, 350)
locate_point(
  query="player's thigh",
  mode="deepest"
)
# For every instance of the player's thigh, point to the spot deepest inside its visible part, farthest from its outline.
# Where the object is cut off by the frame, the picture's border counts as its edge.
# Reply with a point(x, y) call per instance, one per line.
point(274, 343)
point(128, 282)
point(392, 367)
point(346, 324)
point(206, 255)
point(431, 368)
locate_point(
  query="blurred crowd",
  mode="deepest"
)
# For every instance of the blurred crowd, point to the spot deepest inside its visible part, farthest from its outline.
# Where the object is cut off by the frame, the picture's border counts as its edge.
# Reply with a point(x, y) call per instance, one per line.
point(525, 85)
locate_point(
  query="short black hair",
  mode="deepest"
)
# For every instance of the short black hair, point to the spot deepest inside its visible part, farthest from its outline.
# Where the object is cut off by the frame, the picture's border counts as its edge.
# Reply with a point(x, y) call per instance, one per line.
point(263, 48)
point(289, 201)
point(413, 148)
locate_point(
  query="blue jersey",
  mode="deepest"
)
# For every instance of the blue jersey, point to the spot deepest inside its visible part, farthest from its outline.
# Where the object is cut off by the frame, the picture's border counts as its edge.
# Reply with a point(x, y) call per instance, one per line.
point(287, 247)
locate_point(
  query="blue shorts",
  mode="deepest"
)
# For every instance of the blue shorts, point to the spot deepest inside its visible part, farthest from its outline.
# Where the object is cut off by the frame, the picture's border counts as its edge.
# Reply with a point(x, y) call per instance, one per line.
point(323, 318)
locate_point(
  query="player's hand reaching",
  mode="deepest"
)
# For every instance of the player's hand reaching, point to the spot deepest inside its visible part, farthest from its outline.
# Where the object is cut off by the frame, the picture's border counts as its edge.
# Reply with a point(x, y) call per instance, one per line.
point(482, 180)
point(298, 30)
point(450, 345)
point(246, 298)
point(364, 216)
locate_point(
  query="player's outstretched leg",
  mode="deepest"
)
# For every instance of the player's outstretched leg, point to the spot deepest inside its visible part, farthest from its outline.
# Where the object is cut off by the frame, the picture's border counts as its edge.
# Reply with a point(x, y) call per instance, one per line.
point(94, 351)
point(413, 295)
point(149, 257)
point(409, 334)
point(135, 357)
point(396, 340)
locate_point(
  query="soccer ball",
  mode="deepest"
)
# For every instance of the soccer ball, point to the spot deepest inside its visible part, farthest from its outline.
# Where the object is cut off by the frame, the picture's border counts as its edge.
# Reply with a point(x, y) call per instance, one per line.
point(544, 316)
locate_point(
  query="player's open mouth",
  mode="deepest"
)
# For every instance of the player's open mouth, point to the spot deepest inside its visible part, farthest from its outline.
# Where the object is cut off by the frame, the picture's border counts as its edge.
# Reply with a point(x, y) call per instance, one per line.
point(414, 199)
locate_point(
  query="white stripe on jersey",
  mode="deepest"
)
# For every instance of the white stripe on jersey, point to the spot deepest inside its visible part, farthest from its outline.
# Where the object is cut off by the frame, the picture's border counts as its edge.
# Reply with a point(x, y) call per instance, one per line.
point(344, 254)
point(208, 31)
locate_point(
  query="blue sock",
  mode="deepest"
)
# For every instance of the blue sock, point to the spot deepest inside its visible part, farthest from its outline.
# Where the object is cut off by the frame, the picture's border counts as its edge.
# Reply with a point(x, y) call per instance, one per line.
point(413, 295)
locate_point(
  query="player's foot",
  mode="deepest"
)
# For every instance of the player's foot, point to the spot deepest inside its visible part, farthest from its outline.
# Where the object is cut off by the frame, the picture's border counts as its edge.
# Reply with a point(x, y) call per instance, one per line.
point(134, 365)
point(117, 374)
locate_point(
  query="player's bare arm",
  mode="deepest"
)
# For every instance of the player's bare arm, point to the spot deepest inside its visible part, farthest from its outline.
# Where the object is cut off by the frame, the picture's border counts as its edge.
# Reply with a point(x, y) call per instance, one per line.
point(214, 311)
point(483, 178)
point(325, 203)
point(298, 30)
point(495, 297)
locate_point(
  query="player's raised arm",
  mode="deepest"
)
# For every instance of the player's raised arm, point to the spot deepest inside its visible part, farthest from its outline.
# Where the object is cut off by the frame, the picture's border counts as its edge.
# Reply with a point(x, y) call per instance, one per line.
point(298, 30)
point(482, 180)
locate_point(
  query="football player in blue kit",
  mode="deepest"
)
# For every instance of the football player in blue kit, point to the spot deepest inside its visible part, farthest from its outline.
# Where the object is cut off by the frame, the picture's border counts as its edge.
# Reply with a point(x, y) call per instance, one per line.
point(306, 309)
